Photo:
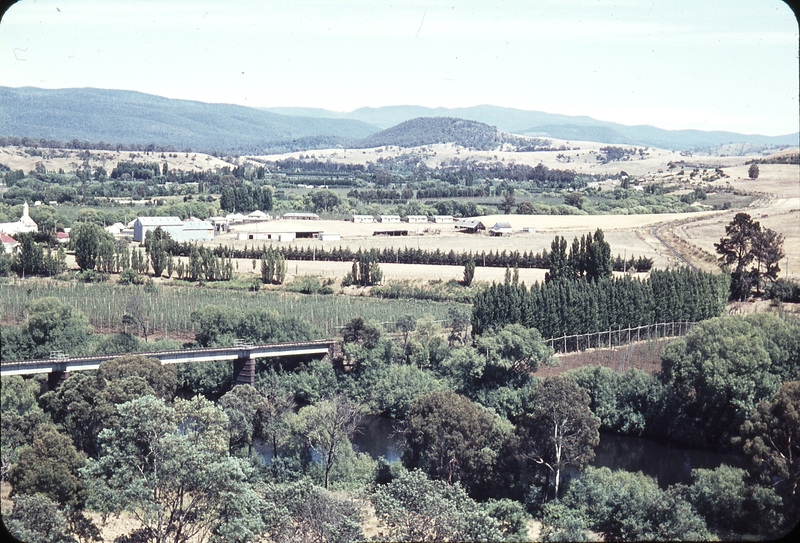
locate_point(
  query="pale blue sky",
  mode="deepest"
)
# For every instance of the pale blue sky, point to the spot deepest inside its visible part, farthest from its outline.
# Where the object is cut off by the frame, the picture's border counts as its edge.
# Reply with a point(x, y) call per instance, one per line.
point(703, 64)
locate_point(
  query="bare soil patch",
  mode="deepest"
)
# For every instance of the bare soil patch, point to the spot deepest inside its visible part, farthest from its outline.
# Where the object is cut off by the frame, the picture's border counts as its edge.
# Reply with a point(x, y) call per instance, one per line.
point(644, 356)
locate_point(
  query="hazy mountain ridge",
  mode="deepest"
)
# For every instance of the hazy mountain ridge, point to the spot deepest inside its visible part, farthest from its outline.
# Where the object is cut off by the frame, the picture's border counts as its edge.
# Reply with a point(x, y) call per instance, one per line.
point(539, 123)
point(119, 116)
point(133, 117)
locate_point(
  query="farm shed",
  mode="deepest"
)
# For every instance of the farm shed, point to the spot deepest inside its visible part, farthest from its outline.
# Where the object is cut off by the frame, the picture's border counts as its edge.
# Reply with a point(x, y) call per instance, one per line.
point(417, 218)
point(301, 216)
point(195, 231)
point(220, 223)
point(172, 225)
point(443, 219)
point(469, 226)
point(501, 229)
point(390, 218)
point(529, 229)
point(273, 236)
point(330, 236)
point(363, 218)
point(115, 229)
point(390, 233)
point(257, 216)
point(234, 217)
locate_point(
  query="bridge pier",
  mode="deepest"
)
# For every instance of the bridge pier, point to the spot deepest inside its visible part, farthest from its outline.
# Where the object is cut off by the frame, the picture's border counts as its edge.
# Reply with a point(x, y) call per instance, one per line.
point(56, 378)
point(244, 371)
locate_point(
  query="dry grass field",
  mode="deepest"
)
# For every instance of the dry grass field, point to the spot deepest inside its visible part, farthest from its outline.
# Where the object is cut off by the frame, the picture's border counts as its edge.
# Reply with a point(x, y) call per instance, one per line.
point(55, 159)
point(778, 209)
point(581, 158)
point(693, 234)
point(627, 234)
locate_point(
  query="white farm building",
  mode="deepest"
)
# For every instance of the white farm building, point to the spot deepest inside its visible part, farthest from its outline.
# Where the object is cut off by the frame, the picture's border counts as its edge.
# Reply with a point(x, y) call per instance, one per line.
point(501, 229)
point(175, 227)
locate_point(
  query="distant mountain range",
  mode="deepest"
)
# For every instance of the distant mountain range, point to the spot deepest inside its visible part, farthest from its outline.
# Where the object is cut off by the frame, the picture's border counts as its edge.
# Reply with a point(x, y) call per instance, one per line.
point(118, 116)
point(539, 123)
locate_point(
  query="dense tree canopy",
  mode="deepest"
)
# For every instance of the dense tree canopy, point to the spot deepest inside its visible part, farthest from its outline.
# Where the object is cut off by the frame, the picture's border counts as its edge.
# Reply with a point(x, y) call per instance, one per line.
point(92, 245)
point(719, 373)
point(771, 437)
point(453, 439)
point(624, 506)
point(415, 508)
point(51, 326)
point(170, 468)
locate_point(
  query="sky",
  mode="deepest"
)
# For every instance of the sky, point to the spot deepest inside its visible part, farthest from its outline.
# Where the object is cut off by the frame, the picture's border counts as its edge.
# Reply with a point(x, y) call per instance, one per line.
point(676, 64)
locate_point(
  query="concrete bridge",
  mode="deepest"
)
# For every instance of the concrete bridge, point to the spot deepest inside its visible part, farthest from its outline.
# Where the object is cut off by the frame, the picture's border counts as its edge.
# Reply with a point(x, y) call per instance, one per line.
point(242, 354)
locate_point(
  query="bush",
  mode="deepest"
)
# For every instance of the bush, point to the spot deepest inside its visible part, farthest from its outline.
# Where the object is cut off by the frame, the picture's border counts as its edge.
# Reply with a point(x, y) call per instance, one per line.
point(92, 276)
point(131, 277)
point(784, 290)
point(308, 284)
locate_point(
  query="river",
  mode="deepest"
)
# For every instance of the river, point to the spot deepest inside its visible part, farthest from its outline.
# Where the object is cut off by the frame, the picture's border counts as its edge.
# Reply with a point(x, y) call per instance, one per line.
point(669, 462)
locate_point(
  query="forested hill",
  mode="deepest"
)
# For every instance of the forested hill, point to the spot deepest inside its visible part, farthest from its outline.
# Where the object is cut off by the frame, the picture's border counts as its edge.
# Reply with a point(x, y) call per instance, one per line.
point(117, 116)
point(430, 130)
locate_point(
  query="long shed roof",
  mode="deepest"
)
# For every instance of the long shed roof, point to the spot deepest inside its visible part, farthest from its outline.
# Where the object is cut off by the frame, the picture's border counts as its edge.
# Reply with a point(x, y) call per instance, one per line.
point(160, 221)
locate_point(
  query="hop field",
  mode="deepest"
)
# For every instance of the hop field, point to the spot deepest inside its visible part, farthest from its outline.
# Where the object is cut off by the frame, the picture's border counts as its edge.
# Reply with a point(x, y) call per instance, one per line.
point(169, 308)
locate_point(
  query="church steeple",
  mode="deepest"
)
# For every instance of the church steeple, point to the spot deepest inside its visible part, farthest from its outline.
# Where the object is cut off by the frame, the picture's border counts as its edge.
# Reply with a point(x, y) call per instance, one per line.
point(25, 210)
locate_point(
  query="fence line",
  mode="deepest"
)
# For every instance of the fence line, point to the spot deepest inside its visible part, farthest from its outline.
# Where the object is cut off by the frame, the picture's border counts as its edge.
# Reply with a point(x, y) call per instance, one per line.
point(620, 336)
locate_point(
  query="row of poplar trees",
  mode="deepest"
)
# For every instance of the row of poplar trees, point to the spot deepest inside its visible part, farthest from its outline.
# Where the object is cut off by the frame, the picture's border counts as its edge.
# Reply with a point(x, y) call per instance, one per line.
point(580, 295)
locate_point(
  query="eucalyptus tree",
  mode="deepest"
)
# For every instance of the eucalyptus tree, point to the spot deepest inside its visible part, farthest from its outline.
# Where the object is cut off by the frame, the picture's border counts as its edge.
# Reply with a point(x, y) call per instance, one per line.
point(559, 430)
point(328, 427)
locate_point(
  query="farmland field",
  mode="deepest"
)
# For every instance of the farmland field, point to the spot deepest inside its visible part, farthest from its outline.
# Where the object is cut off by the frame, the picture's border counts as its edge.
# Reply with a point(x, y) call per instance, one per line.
point(170, 307)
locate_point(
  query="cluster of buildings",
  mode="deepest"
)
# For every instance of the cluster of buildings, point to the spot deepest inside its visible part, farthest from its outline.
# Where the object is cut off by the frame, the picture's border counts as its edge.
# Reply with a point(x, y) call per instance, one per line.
point(194, 229)
point(411, 219)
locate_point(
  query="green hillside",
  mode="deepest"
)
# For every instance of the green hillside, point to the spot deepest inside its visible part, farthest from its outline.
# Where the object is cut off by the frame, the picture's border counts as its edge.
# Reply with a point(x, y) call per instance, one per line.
point(116, 116)
point(430, 130)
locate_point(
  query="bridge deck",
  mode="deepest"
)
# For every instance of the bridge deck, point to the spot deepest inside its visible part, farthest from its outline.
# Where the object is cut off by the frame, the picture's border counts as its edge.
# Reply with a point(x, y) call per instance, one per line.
point(211, 354)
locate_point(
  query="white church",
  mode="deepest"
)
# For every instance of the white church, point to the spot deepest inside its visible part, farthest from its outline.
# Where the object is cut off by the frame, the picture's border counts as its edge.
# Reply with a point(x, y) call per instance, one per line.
point(24, 224)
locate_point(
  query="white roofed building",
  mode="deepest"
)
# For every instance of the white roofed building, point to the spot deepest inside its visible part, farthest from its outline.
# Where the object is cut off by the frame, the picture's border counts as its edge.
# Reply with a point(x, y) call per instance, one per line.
point(171, 225)
point(258, 215)
point(301, 216)
point(501, 229)
point(196, 231)
point(24, 224)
